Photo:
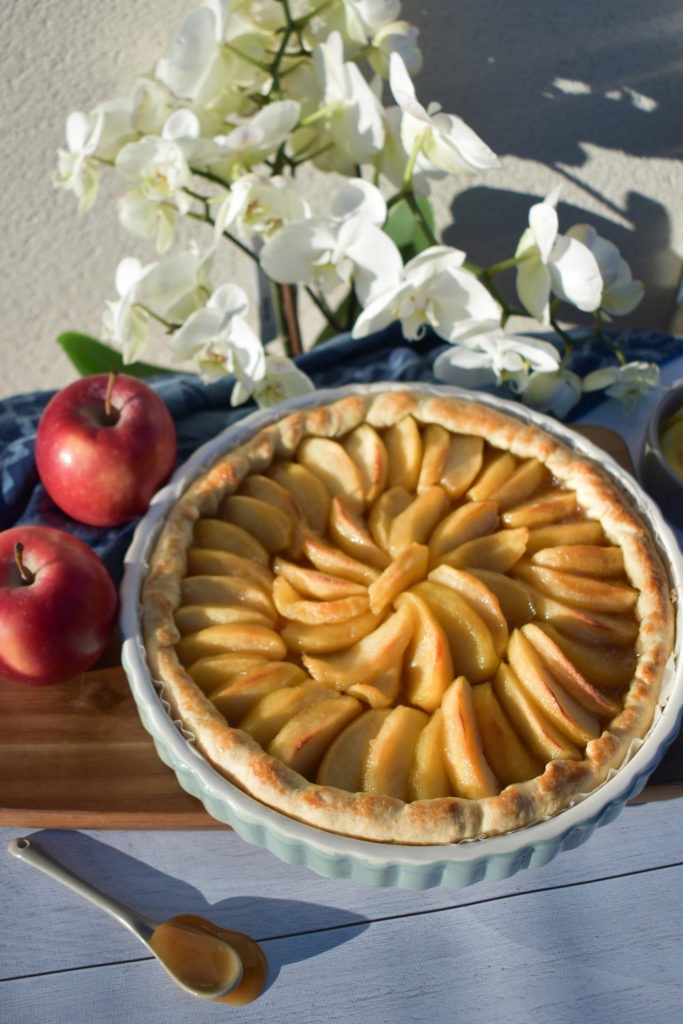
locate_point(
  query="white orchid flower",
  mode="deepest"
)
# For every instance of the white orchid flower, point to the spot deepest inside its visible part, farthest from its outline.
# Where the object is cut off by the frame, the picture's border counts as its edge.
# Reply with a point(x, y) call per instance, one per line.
point(220, 340)
point(258, 206)
point(627, 382)
point(171, 289)
point(158, 167)
point(550, 262)
point(620, 293)
point(249, 143)
point(395, 37)
point(392, 161)
point(346, 246)
point(91, 139)
point(445, 140)
point(193, 68)
point(355, 20)
point(125, 322)
point(282, 379)
point(556, 391)
point(494, 356)
point(434, 290)
point(178, 285)
point(351, 112)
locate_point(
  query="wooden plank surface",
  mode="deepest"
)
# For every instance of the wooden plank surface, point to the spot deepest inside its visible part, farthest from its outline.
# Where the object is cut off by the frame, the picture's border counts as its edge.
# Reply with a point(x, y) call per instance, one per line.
point(77, 756)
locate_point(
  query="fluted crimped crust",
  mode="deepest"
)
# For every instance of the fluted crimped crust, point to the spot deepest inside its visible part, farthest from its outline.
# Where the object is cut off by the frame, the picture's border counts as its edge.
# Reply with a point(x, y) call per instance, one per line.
point(365, 815)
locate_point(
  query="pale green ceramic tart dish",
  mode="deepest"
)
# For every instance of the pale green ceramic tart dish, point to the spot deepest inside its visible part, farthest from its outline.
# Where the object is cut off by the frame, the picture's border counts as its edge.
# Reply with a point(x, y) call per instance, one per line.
point(374, 863)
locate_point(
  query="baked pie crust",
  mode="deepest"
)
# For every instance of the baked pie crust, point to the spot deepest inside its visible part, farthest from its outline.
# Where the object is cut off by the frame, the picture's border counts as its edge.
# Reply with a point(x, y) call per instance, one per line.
point(425, 580)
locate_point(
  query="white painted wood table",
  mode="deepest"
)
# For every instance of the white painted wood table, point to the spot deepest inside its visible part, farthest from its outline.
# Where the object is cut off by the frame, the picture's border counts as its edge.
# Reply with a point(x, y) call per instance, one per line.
point(595, 935)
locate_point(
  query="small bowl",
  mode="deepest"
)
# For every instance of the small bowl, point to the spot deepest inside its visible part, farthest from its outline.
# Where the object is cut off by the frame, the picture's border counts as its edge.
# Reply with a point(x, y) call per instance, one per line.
point(658, 478)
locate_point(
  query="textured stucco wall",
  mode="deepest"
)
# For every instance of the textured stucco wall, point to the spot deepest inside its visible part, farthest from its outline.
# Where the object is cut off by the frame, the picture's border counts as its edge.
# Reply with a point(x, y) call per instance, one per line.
point(587, 94)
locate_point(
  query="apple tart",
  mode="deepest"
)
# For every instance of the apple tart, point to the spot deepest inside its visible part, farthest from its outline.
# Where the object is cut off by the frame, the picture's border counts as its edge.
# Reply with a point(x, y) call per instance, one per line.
point(408, 616)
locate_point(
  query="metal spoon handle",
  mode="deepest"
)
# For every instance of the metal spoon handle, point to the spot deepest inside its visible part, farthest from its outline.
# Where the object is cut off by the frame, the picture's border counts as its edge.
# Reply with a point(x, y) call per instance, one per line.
point(27, 851)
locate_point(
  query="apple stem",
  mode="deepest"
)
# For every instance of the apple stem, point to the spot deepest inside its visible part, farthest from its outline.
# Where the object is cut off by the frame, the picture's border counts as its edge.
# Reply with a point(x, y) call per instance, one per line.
point(26, 575)
point(107, 397)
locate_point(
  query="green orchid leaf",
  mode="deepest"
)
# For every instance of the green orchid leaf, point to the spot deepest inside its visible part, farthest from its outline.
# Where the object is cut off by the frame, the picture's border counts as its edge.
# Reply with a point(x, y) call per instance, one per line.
point(88, 356)
point(405, 228)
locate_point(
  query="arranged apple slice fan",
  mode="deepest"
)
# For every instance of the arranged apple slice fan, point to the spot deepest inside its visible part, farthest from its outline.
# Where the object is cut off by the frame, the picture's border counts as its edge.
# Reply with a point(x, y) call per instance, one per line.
point(408, 619)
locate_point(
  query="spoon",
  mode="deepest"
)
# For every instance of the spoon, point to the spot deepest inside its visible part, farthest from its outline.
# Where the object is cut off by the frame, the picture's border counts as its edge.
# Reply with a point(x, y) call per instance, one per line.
point(204, 959)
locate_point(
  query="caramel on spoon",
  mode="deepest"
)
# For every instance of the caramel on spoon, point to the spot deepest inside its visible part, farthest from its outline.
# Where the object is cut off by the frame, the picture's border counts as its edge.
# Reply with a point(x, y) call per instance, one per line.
point(208, 961)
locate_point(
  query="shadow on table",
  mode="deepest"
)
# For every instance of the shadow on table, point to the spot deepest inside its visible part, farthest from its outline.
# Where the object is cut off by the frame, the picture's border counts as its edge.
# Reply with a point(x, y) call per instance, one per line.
point(310, 928)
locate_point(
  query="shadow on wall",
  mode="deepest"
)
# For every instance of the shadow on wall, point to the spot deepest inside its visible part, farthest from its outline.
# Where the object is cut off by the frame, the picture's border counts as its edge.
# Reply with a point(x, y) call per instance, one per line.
point(536, 87)
point(547, 82)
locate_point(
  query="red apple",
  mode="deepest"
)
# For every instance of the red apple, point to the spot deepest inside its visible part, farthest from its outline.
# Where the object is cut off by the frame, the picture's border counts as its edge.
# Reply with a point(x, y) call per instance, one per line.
point(57, 605)
point(104, 445)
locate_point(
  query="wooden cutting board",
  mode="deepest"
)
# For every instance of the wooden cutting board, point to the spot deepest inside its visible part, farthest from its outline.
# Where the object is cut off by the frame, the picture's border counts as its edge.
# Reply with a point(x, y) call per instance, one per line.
point(77, 756)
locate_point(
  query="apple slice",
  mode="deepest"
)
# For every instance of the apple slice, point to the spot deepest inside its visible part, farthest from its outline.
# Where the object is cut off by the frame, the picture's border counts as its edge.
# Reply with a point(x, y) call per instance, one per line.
point(243, 637)
point(367, 659)
point(470, 773)
point(343, 763)
point(327, 558)
point(348, 529)
point(607, 667)
point(218, 535)
point(428, 778)
point(403, 443)
point(328, 460)
point(482, 599)
point(568, 675)
point(580, 531)
point(272, 527)
point(312, 583)
point(329, 637)
point(435, 444)
point(496, 551)
point(213, 671)
point(409, 566)
point(292, 605)
point(550, 507)
point(272, 493)
point(265, 719)
point(463, 464)
point(515, 598)
point(492, 476)
point(586, 626)
point(206, 562)
point(529, 477)
point(583, 592)
point(472, 647)
point(391, 753)
point(307, 490)
point(366, 448)
point(227, 590)
point(543, 739)
point(303, 740)
point(509, 758)
point(582, 559)
point(427, 663)
point(190, 618)
point(415, 523)
point(541, 686)
point(381, 692)
point(469, 521)
point(239, 694)
point(384, 512)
